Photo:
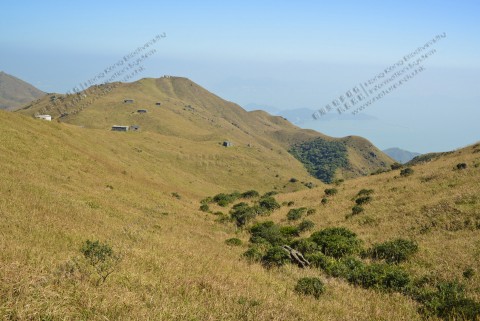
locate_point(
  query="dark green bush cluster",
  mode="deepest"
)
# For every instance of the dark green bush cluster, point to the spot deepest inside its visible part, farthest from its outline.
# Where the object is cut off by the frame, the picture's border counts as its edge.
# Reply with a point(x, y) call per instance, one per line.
point(242, 213)
point(331, 191)
point(311, 211)
point(306, 225)
point(337, 241)
point(461, 166)
point(324, 201)
point(267, 232)
point(223, 199)
point(233, 241)
point(204, 208)
point(396, 166)
point(396, 251)
point(310, 286)
point(357, 209)
point(305, 246)
point(363, 200)
point(296, 213)
point(321, 157)
point(276, 256)
point(448, 301)
point(290, 231)
point(250, 194)
point(406, 172)
point(365, 192)
point(268, 203)
point(254, 254)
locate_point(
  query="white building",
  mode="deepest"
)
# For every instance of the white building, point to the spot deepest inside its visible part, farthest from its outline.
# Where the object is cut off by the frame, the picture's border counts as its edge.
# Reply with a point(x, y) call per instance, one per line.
point(44, 117)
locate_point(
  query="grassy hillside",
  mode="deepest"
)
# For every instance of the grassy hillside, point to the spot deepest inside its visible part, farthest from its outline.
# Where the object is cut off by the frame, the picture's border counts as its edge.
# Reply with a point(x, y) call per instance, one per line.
point(140, 194)
point(15, 93)
point(189, 111)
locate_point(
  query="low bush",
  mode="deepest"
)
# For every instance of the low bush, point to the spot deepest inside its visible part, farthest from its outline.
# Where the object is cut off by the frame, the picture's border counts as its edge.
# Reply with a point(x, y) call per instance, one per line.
point(290, 231)
point(275, 257)
point(406, 172)
point(363, 200)
point(296, 213)
point(233, 242)
point(101, 259)
point(267, 232)
point(242, 214)
point(337, 241)
point(357, 209)
point(204, 208)
point(365, 192)
point(468, 273)
point(311, 211)
point(461, 166)
point(396, 166)
point(306, 225)
point(254, 254)
point(319, 260)
point(331, 191)
point(324, 201)
point(396, 251)
point(269, 203)
point(250, 194)
point(223, 199)
point(450, 302)
point(293, 180)
point(305, 246)
point(310, 286)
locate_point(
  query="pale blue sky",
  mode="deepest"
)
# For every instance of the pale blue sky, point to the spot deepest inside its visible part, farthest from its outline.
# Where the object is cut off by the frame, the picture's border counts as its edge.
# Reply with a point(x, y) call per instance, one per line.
point(286, 54)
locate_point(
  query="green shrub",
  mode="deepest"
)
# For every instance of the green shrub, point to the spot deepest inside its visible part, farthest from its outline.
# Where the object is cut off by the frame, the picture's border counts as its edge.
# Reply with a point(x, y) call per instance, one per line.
point(250, 194)
point(242, 214)
point(269, 203)
point(305, 246)
point(337, 241)
point(268, 194)
point(310, 286)
point(348, 268)
point(267, 232)
point(223, 199)
point(449, 301)
point(331, 191)
point(311, 211)
point(233, 242)
point(406, 172)
point(461, 166)
point(101, 259)
point(324, 201)
point(291, 203)
point(468, 273)
point(289, 231)
point(306, 225)
point(204, 208)
point(319, 260)
point(296, 213)
point(357, 209)
point(276, 256)
point(365, 192)
point(381, 276)
point(395, 251)
point(207, 200)
point(254, 254)
point(396, 166)
point(363, 200)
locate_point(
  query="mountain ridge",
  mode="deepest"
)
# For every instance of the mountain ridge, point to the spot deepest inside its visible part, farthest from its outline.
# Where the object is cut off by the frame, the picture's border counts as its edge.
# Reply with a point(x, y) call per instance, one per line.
point(15, 92)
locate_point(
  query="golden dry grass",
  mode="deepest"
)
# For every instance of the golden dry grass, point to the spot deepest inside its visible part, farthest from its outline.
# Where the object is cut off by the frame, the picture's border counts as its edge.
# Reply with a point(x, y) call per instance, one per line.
point(62, 184)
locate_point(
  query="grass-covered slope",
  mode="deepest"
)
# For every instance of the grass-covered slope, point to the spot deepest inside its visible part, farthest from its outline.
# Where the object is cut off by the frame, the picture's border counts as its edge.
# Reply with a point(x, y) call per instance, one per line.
point(139, 193)
point(189, 111)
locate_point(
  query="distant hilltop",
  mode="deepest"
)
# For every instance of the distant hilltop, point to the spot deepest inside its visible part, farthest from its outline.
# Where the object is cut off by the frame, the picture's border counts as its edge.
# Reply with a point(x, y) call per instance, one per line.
point(400, 155)
point(15, 92)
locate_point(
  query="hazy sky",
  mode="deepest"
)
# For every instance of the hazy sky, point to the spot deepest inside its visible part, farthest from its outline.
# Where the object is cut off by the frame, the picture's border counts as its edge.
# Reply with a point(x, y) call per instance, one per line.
point(285, 54)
